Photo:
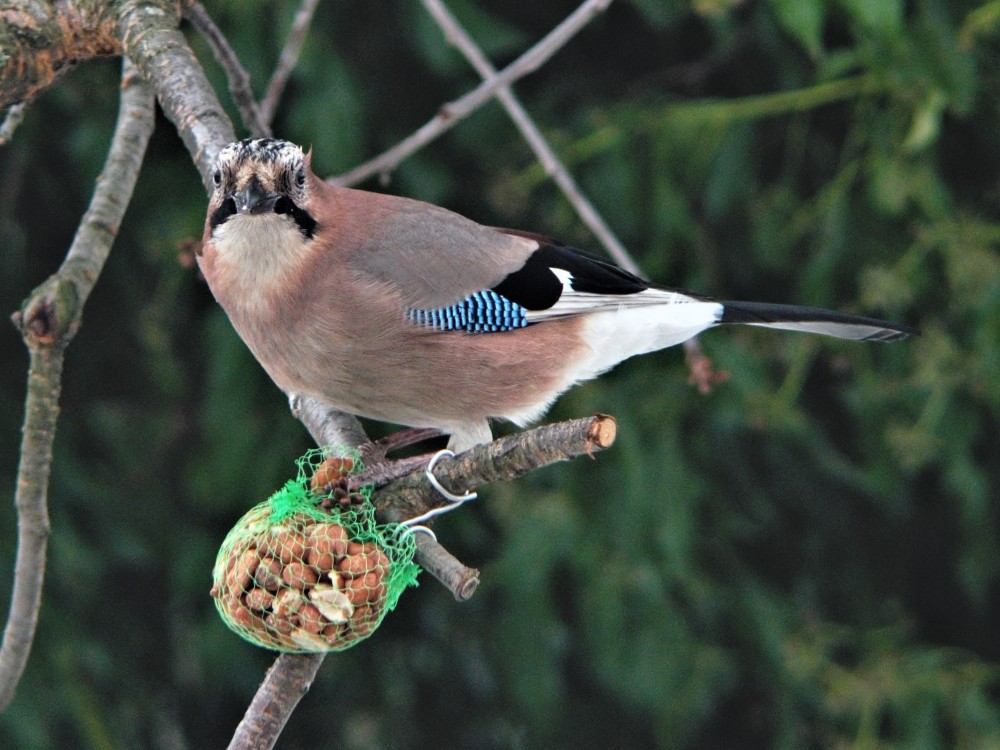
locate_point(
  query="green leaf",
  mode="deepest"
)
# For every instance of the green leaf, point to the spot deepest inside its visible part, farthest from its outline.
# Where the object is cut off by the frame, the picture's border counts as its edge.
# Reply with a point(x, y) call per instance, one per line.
point(882, 16)
point(803, 19)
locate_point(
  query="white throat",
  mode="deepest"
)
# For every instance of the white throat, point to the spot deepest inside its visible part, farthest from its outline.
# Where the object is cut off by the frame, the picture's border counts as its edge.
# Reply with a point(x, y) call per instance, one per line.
point(259, 251)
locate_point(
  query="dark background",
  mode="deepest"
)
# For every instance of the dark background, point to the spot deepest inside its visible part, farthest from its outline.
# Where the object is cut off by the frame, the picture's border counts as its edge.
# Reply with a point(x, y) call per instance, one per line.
point(807, 557)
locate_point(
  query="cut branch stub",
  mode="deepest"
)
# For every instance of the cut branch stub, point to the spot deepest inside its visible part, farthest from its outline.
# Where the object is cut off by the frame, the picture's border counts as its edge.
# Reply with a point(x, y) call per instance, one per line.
point(504, 459)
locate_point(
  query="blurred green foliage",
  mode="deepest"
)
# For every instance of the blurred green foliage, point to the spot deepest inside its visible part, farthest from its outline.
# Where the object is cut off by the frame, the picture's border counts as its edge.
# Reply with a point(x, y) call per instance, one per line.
point(808, 557)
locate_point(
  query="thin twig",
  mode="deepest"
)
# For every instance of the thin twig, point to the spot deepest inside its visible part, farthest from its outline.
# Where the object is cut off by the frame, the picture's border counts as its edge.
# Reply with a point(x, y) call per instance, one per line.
point(48, 320)
point(10, 122)
point(453, 112)
point(459, 37)
point(236, 74)
point(286, 62)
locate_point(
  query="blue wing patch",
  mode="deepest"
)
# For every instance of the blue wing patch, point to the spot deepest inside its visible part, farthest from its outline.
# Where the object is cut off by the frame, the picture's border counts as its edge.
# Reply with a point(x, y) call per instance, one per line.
point(481, 312)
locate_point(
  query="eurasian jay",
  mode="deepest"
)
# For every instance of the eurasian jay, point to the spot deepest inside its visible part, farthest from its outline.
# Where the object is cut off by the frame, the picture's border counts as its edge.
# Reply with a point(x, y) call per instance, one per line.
point(405, 312)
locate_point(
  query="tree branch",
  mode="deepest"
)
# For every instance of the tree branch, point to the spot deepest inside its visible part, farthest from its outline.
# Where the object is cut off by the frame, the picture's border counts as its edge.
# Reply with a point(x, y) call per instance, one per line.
point(42, 41)
point(459, 579)
point(502, 460)
point(286, 62)
point(285, 684)
point(327, 425)
point(236, 74)
point(452, 113)
point(459, 38)
point(150, 37)
point(48, 320)
point(11, 121)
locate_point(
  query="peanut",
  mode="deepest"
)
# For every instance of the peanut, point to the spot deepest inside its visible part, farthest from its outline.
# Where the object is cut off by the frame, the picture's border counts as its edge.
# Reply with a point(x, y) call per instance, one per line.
point(287, 545)
point(287, 602)
point(333, 604)
point(268, 574)
point(308, 641)
point(331, 471)
point(326, 543)
point(259, 599)
point(299, 575)
point(310, 618)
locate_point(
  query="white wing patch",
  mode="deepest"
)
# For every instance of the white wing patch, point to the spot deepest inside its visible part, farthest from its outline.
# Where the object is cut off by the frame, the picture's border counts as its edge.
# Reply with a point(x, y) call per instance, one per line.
point(573, 302)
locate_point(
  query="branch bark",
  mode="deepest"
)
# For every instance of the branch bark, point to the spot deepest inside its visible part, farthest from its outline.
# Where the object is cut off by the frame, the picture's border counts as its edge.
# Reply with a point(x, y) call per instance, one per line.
point(504, 459)
point(42, 41)
point(150, 37)
point(286, 683)
point(48, 320)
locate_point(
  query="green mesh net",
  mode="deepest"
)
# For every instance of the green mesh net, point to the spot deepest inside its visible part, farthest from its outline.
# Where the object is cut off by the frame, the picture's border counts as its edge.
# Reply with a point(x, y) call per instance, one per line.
point(310, 569)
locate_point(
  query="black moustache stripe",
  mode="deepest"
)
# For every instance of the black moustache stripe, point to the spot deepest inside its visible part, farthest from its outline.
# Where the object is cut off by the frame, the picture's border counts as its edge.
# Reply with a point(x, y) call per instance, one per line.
point(305, 222)
point(301, 217)
point(222, 213)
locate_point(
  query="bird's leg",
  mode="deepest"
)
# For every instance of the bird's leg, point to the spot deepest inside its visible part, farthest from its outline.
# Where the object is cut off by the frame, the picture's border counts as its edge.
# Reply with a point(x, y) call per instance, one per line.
point(383, 472)
point(376, 451)
point(379, 470)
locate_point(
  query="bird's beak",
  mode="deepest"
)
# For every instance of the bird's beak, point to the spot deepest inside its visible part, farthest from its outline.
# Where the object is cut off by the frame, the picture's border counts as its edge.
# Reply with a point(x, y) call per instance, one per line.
point(253, 199)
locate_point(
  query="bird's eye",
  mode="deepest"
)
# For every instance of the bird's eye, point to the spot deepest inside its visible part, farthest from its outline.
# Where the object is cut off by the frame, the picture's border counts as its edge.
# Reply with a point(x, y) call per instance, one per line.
point(217, 177)
point(300, 179)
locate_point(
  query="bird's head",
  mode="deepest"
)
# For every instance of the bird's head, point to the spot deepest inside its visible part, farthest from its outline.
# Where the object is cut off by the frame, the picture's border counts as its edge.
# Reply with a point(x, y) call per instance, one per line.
point(261, 177)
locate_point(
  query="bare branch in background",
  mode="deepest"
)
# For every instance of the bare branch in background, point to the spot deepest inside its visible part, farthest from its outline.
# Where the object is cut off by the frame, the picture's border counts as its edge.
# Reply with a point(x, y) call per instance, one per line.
point(452, 113)
point(460, 38)
point(236, 74)
point(48, 320)
point(10, 122)
point(286, 62)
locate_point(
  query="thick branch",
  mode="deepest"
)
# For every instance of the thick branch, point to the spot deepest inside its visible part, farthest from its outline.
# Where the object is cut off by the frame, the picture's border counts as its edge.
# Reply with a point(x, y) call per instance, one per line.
point(41, 41)
point(286, 682)
point(48, 320)
point(150, 37)
point(327, 425)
